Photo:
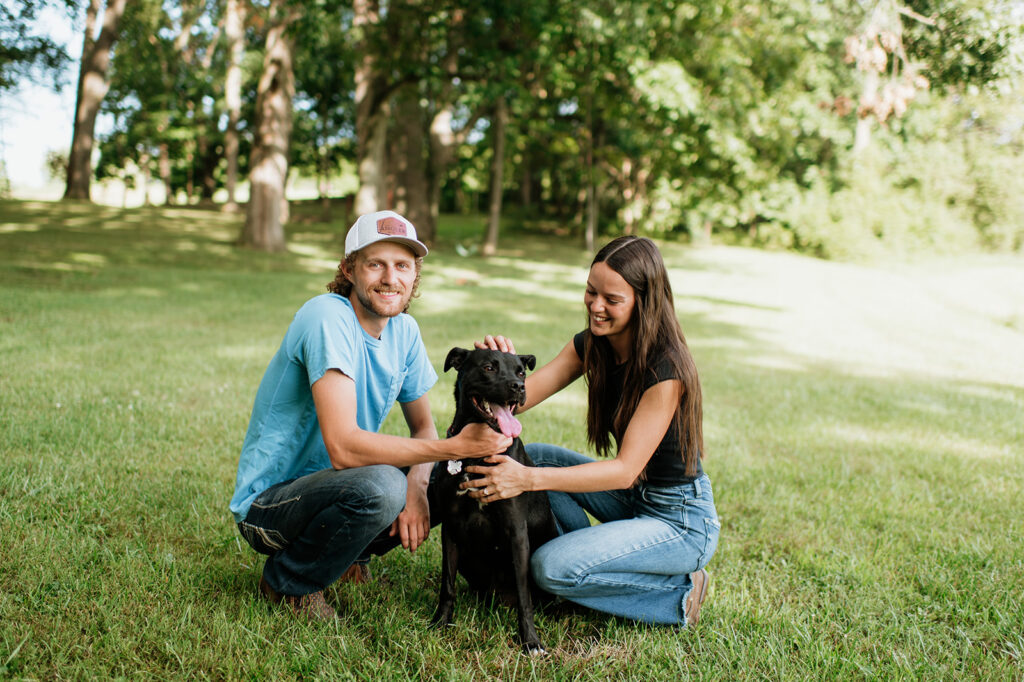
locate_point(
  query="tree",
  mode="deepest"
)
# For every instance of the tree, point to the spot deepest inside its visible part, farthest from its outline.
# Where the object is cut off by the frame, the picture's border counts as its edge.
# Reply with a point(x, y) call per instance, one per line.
point(264, 218)
point(22, 49)
point(92, 88)
point(234, 25)
point(163, 86)
point(371, 108)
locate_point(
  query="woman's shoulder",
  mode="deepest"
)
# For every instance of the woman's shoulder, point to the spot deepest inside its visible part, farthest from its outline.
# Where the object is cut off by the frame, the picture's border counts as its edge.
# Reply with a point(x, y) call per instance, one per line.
point(663, 365)
point(577, 342)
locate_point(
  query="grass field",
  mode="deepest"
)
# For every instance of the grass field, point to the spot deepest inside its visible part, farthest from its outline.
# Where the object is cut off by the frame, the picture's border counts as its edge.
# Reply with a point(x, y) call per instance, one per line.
point(864, 426)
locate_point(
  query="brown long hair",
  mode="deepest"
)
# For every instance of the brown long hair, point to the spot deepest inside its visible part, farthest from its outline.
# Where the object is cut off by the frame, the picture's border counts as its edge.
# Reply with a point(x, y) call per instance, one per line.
point(656, 335)
point(342, 285)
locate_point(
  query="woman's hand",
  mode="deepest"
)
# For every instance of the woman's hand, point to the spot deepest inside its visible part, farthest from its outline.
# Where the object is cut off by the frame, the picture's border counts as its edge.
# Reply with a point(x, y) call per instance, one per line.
point(496, 343)
point(507, 478)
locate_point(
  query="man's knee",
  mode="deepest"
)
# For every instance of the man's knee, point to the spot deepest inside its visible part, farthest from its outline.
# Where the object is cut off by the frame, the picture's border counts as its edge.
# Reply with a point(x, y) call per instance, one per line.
point(383, 490)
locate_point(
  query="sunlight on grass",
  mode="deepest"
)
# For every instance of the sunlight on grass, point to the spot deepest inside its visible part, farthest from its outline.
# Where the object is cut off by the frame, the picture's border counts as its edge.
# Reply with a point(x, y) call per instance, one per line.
point(883, 323)
point(450, 301)
point(903, 440)
point(89, 258)
point(315, 258)
point(254, 352)
point(18, 227)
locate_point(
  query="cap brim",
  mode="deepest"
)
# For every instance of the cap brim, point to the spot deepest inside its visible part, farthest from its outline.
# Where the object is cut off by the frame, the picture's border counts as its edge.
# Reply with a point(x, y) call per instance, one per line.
point(419, 248)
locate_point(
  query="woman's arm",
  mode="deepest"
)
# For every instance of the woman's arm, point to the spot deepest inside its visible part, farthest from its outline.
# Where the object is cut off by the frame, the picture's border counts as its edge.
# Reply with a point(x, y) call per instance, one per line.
point(648, 426)
point(562, 370)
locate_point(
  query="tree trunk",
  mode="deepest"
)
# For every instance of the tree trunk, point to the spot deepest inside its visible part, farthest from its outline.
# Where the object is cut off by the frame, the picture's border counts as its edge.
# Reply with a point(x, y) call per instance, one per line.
point(164, 168)
point(264, 227)
point(499, 123)
point(92, 88)
point(869, 93)
point(409, 163)
point(590, 230)
point(442, 149)
point(144, 170)
point(234, 29)
point(371, 125)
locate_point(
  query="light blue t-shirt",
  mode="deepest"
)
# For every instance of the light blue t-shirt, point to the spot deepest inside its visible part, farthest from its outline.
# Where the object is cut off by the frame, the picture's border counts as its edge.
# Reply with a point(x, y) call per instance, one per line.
point(284, 440)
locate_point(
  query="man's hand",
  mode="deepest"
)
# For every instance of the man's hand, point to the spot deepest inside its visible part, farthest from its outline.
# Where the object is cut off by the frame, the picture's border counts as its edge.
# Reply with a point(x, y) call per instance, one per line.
point(413, 524)
point(479, 440)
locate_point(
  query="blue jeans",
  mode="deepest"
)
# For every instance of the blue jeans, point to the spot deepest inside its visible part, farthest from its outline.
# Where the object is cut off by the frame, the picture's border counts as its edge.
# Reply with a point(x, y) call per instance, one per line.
point(314, 527)
point(637, 562)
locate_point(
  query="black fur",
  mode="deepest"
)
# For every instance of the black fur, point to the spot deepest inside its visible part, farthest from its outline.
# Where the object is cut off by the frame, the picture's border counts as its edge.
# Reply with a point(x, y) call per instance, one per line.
point(491, 544)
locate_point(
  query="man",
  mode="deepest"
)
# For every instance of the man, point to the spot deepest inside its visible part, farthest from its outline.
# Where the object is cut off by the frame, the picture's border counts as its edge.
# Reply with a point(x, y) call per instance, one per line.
point(318, 488)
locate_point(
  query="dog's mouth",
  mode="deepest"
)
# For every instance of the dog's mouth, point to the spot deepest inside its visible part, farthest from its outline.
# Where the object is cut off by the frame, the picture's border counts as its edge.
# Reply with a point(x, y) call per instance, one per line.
point(501, 416)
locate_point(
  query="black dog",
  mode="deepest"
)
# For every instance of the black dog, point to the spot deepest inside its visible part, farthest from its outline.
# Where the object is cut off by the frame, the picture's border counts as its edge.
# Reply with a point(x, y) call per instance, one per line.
point(490, 544)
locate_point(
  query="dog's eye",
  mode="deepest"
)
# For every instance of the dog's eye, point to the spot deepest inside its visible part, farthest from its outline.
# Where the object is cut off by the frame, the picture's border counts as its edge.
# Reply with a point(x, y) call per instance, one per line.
point(488, 368)
point(520, 373)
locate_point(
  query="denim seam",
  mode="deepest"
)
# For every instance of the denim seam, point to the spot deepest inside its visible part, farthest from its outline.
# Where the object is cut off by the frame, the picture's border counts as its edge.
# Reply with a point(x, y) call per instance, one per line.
point(265, 536)
point(277, 504)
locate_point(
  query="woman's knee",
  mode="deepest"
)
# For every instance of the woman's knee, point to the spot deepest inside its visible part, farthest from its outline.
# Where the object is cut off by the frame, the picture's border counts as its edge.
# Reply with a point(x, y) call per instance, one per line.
point(549, 569)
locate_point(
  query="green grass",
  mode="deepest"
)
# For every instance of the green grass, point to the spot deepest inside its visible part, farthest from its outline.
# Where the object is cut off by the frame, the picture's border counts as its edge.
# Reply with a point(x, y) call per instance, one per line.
point(864, 428)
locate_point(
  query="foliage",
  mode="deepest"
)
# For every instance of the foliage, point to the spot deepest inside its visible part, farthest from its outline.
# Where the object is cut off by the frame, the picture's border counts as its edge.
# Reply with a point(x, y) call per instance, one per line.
point(736, 119)
point(25, 50)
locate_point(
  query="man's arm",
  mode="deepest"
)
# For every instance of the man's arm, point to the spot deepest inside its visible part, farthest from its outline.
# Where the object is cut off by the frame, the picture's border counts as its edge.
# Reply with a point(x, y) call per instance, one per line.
point(350, 446)
point(413, 524)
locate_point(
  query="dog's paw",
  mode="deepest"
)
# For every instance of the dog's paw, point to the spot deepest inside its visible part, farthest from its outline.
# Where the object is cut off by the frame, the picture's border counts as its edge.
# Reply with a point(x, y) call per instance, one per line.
point(441, 620)
point(534, 649)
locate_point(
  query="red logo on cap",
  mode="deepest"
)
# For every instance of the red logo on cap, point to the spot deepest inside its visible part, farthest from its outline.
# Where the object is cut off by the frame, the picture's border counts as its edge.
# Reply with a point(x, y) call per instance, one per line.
point(392, 226)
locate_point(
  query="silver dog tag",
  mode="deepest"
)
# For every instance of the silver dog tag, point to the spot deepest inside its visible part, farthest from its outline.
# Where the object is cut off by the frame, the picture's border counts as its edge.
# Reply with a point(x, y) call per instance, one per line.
point(454, 466)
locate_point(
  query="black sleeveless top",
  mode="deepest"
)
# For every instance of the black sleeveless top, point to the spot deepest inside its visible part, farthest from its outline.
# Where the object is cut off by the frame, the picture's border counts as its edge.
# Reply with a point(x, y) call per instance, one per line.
point(666, 467)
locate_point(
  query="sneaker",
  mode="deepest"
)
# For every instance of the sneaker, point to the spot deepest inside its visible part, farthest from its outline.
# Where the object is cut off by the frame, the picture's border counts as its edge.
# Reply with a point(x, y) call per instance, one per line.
point(311, 606)
point(695, 600)
point(356, 573)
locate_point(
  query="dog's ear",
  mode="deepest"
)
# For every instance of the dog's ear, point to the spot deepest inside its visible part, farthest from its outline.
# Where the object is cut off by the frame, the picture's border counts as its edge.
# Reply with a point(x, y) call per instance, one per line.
point(528, 360)
point(456, 356)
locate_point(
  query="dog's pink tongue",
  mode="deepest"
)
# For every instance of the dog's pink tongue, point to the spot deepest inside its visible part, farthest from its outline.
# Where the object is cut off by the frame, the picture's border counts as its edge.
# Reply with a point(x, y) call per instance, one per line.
point(508, 424)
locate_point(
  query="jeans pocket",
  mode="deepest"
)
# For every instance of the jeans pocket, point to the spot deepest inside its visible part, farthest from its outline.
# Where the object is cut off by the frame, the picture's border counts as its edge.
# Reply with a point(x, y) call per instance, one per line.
point(665, 498)
point(263, 540)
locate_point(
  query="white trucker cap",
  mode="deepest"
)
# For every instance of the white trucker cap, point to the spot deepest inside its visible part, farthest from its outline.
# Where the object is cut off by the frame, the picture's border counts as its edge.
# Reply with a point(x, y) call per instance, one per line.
point(383, 226)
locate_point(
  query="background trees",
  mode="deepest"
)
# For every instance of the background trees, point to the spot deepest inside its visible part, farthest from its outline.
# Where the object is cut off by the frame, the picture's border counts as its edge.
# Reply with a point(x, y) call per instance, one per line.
point(830, 126)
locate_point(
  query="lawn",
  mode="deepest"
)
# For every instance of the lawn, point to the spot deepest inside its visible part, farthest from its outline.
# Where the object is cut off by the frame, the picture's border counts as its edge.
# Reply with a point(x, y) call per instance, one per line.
point(864, 427)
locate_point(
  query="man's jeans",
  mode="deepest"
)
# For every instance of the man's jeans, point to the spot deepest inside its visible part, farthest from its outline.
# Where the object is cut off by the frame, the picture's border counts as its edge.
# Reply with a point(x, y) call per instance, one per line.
point(314, 527)
point(637, 562)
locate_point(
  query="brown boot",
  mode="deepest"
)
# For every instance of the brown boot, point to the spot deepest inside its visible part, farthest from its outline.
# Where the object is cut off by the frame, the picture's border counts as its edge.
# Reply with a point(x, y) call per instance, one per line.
point(356, 573)
point(311, 606)
point(695, 600)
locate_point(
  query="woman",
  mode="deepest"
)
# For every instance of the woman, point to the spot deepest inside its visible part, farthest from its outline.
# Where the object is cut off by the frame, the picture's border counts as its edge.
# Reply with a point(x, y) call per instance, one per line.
point(645, 560)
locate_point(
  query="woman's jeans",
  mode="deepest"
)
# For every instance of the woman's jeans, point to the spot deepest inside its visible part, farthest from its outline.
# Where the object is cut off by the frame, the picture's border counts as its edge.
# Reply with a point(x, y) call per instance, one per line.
point(314, 527)
point(637, 562)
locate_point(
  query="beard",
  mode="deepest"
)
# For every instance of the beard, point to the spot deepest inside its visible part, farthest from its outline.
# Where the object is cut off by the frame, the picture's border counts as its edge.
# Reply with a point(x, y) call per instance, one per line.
point(380, 311)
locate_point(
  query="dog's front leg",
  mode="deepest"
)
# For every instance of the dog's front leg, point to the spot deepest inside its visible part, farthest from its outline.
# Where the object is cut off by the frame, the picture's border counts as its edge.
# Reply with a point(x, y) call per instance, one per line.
point(449, 562)
point(520, 537)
